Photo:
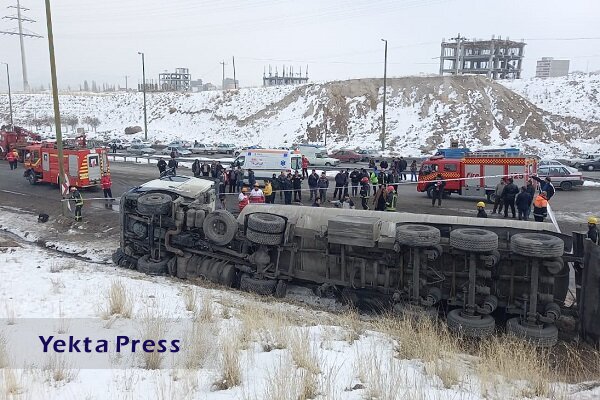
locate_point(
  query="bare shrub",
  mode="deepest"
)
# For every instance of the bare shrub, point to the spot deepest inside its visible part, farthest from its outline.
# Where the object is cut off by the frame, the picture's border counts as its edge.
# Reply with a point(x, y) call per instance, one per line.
point(230, 371)
point(119, 301)
point(57, 369)
point(57, 285)
point(190, 299)
point(303, 354)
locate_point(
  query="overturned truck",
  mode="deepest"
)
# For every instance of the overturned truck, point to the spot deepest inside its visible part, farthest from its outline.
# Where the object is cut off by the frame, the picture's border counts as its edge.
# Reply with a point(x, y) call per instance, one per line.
point(479, 273)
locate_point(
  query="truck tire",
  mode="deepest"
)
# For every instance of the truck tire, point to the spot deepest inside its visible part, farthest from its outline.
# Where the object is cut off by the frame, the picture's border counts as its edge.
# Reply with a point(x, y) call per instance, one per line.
point(220, 227)
point(537, 245)
point(265, 287)
point(281, 289)
point(554, 265)
point(32, 178)
point(150, 267)
point(545, 335)
point(266, 223)
point(154, 204)
point(270, 239)
point(474, 240)
point(478, 326)
point(417, 235)
point(118, 256)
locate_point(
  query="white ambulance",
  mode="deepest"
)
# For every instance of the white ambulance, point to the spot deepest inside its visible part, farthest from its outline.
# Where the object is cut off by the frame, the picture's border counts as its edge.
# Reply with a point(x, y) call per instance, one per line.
point(266, 162)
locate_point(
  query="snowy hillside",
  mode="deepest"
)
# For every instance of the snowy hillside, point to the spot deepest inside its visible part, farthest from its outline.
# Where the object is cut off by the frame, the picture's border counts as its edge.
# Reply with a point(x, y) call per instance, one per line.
point(423, 113)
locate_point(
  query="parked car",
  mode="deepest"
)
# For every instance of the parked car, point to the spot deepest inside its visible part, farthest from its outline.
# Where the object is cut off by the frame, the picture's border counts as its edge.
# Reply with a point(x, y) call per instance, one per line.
point(225, 148)
point(202, 148)
point(141, 149)
point(366, 155)
point(180, 143)
point(121, 143)
point(179, 151)
point(576, 162)
point(347, 156)
point(245, 149)
point(562, 176)
point(591, 165)
point(142, 142)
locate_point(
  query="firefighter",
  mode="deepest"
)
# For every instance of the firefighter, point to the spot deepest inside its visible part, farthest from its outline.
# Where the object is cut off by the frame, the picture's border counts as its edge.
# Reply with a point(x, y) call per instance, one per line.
point(390, 199)
point(438, 190)
point(540, 207)
point(481, 210)
point(364, 192)
point(305, 165)
point(593, 233)
point(243, 199)
point(78, 198)
point(162, 166)
point(10, 157)
point(105, 184)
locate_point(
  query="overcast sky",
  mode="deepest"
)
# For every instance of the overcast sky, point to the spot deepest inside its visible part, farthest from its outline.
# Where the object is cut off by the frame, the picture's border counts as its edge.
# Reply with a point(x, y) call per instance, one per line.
point(338, 39)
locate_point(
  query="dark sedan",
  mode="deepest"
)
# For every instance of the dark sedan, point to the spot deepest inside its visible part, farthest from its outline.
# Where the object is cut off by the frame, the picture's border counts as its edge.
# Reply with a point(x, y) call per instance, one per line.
point(592, 165)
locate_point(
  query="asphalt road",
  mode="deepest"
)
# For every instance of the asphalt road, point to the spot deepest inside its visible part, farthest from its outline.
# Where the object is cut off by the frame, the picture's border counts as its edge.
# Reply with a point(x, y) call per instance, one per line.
point(571, 208)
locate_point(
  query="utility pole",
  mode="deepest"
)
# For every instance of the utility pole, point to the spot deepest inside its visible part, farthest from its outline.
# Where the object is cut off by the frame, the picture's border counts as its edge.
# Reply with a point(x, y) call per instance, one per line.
point(64, 186)
point(126, 88)
point(12, 126)
point(144, 91)
point(223, 83)
point(384, 96)
point(20, 32)
point(234, 81)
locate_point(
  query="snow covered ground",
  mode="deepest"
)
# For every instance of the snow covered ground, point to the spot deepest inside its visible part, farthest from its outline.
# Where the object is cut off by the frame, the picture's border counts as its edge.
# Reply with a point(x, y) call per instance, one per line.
point(239, 346)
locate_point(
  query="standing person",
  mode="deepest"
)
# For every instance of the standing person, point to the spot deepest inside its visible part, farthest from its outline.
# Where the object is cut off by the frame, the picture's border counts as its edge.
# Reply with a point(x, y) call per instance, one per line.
point(16, 158)
point(481, 210)
point(10, 156)
point(257, 195)
point(354, 180)
point(593, 233)
point(531, 193)
point(545, 186)
point(365, 188)
point(78, 199)
point(313, 184)
point(371, 163)
point(393, 179)
point(340, 179)
point(105, 184)
point(402, 164)
point(438, 190)
point(213, 170)
point(297, 185)
point(251, 178)
point(243, 199)
point(173, 153)
point(523, 203)
point(114, 148)
point(287, 189)
point(239, 177)
point(275, 185)
point(173, 164)
point(323, 184)
point(219, 167)
point(347, 202)
point(383, 164)
point(413, 171)
point(346, 182)
point(222, 181)
point(232, 180)
point(196, 169)
point(540, 207)
point(379, 199)
point(281, 179)
point(508, 196)
point(305, 165)
point(268, 192)
point(162, 166)
point(365, 174)
point(382, 176)
point(390, 199)
point(374, 180)
point(205, 169)
point(498, 202)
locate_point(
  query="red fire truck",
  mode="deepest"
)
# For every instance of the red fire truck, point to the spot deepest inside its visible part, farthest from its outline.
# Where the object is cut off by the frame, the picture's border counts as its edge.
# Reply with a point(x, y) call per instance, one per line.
point(18, 136)
point(83, 166)
point(477, 174)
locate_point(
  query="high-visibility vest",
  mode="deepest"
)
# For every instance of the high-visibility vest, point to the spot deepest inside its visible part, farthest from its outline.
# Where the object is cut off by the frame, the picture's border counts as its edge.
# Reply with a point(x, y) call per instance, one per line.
point(391, 205)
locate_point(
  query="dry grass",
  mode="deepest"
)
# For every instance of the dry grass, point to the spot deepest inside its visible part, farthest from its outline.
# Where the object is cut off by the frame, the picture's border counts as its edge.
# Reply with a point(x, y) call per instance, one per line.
point(304, 355)
point(57, 369)
point(57, 285)
point(9, 310)
point(3, 352)
point(56, 267)
point(190, 299)
point(119, 302)
point(353, 326)
point(181, 384)
point(381, 375)
point(199, 345)
point(230, 371)
point(11, 385)
point(267, 327)
point(154, 328)
point(207, 312)
point(289, 383)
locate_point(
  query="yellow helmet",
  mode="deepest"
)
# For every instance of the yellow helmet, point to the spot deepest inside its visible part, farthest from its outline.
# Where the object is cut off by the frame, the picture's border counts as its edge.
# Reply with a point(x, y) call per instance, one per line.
point(593, 220)
point(481, 204)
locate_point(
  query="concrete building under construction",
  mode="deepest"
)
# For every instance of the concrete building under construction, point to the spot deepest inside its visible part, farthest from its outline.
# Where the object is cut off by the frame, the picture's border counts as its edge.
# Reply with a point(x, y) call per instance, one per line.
point(178, 81)
point(287, 77)
point(496, 58)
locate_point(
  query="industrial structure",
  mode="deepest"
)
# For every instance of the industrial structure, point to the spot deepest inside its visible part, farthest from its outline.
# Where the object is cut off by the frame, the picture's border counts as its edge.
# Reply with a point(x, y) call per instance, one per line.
point(496, 58)
point(287, 77)
point(548, 67)
point(230, 84)
point(178, 81)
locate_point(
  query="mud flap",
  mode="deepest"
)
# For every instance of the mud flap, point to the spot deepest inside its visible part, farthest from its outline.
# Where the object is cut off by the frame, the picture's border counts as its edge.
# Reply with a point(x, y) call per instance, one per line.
point(589, 303)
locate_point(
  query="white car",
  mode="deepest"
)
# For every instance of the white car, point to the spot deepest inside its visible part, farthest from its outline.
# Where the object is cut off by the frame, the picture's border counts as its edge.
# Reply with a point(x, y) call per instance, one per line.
point(202, 148)
point(179, 151)
point(226, 148)
point(141, 149)
point(142, 142)
point(121, 143)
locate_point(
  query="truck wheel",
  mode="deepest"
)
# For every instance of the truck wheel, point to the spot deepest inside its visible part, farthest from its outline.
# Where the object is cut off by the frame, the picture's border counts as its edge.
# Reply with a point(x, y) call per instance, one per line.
point(219, 227)
point(477, 326)
point(269, 239)
point(266, 223)
point(545, 335)
point(417, 235)
point(154, 204)
point(537, 245)
point(265, 287)
point(554, 266)
point(32, 178)
point(118, 256)
point(281, 289)
point(150, 267)
point(474, 240)
point(566, 186)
